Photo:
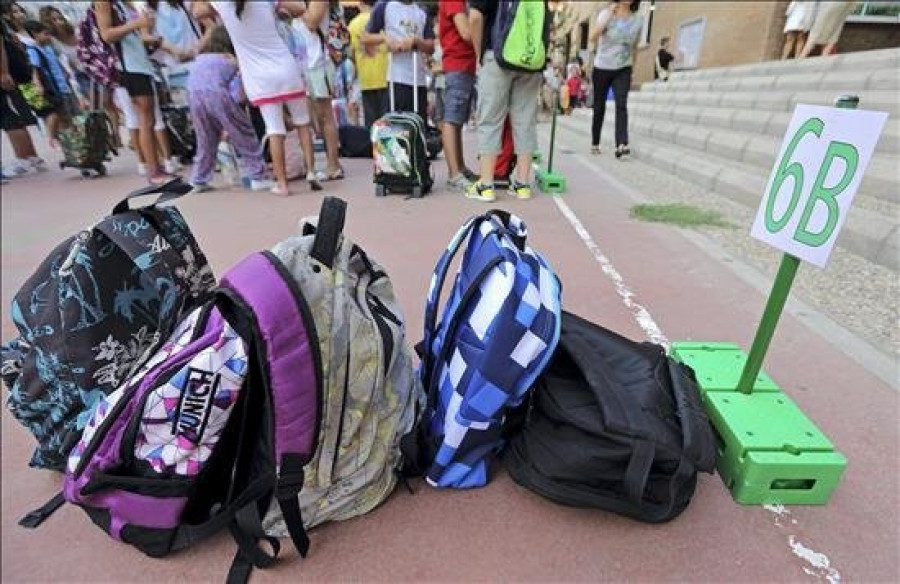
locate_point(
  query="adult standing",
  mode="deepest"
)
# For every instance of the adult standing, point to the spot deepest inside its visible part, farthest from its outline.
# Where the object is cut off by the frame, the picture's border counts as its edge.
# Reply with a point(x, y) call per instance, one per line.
point(129, 31)
point(663, 61)
point(404, 26)
point(800, 18)
point(827, 26)
point(503, 93)
point(271, 78)
point(371, 66)
point(617, 30)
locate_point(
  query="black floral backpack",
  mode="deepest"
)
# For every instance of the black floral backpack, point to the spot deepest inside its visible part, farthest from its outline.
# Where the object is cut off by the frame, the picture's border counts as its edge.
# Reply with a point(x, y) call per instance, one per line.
point(93, 311)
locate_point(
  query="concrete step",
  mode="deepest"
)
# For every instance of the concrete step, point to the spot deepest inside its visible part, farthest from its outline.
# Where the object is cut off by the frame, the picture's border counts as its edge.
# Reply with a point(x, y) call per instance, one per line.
point(745, 147)
point(868, 233)
point(864, 60)
point(774, 100)
point(849, 81)
point(759, 122)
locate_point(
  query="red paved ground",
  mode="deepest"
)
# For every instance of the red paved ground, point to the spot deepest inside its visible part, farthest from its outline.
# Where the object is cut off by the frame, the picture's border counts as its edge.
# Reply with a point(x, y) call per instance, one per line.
point(501, 532)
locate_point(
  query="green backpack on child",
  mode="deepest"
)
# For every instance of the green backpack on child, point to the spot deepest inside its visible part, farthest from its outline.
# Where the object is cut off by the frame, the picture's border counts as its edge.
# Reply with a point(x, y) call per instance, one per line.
point(520, 35)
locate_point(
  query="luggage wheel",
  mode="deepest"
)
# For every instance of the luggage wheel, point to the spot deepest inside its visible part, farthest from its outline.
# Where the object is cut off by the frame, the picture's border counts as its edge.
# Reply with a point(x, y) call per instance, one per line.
point(417, 192)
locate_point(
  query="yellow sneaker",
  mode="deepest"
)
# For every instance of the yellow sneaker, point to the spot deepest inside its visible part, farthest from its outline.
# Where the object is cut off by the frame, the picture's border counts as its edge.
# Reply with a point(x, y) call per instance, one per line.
point(480, 192)
point(521, 190)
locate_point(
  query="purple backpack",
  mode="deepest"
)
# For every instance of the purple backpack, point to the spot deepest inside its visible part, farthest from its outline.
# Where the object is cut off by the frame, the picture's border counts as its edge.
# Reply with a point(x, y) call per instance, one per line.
point(221, 420)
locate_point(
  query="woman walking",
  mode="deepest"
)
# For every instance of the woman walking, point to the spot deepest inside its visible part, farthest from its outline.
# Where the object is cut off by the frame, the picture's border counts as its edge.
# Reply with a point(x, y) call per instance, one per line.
point(618, 29)
point(272, 80)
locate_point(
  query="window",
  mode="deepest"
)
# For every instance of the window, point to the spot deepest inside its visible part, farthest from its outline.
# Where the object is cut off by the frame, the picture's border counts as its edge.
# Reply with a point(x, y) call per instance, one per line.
point(886, 12)
point(690, 42)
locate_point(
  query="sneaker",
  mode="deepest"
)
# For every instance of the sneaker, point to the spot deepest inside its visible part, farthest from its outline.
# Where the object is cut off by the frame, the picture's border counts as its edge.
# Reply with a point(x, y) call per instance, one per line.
point(459, 182)
point(201, 188)
point(470, 174)
point(521, 190)
point(261, 185)
point(16, 168)
point(172, 165)
point(3, 179)
point(480, 192)
point(313, 178)
point(37, 163)
point(142, 169)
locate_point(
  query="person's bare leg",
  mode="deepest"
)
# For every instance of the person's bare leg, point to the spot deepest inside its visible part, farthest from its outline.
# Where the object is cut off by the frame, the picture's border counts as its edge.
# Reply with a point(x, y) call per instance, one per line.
point(309, 156)
point(523, 168)
point(146, 138)
point(21, 143)
point(807, 49)
point(488, 162)
point(329, 132)
point(162, 140)
point(53, 130)
point(830, 49)
point(451, 138)
point(276, 149)
point(790, 40)
point(134, 142)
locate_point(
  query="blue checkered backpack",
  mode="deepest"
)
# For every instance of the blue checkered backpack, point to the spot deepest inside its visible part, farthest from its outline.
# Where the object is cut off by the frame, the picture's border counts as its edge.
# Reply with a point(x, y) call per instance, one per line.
point(495, 337)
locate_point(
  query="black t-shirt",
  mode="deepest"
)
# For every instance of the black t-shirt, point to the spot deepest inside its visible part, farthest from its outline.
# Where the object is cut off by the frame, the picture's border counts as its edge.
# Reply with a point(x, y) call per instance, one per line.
point(489, 9)
point(665, 57)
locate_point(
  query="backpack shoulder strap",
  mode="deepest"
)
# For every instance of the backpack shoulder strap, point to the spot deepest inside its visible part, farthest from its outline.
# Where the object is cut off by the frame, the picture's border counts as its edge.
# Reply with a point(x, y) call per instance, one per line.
point(286, 346)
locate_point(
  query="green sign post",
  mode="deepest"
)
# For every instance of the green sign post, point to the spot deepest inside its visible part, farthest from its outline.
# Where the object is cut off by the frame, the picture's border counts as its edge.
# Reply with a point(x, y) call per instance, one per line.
point(549, 181)
point(769, 451)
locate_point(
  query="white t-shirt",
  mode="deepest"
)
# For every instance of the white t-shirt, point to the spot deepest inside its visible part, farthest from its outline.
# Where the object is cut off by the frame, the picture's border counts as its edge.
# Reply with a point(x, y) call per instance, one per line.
point(268, 70)
point(315, 53)
point(402, 20)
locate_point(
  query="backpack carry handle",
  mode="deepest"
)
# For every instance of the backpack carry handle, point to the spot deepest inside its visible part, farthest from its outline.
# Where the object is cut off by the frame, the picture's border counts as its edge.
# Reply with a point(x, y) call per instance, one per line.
point(329, 228)
point(167, 192)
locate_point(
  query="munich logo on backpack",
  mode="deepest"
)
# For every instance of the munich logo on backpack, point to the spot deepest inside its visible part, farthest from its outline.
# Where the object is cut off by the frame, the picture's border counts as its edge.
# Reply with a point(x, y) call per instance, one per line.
point(520, 35)
point(93, 311)
point(281, 402)
point(495, 337)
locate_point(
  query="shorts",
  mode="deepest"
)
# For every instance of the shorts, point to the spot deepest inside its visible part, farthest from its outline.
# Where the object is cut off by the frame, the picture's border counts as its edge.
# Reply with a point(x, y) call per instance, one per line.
point(14, 111)
point(137, 84)
point(273, 115)
point(122, 100)
point(458, 97)
point(502, 92)
point(320, 81)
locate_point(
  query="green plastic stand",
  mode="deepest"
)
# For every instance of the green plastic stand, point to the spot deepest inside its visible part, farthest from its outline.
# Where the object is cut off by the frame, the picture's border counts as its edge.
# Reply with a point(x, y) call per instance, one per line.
point(548, 181)
point(768, 450)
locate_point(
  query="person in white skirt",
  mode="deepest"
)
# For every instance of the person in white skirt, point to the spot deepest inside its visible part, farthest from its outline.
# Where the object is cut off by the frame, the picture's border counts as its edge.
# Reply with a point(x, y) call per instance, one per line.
point(800, 18)
point(272, 80)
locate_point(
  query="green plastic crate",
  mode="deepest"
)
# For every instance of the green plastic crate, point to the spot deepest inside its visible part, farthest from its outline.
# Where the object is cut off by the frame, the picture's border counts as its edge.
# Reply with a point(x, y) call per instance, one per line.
point(770, 452)
point(718, 366)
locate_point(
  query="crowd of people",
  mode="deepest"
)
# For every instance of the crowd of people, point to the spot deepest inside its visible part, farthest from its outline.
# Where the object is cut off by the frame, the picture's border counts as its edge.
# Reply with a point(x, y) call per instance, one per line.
point(274, 80)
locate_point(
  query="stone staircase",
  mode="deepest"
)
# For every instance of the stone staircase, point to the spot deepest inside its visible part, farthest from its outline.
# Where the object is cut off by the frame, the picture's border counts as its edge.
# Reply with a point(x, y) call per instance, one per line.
point(722, 128)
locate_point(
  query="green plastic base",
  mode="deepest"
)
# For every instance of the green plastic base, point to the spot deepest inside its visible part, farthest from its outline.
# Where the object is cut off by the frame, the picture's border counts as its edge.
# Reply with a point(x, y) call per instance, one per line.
point(551, 182)
point(718, 365)
point(769, 451)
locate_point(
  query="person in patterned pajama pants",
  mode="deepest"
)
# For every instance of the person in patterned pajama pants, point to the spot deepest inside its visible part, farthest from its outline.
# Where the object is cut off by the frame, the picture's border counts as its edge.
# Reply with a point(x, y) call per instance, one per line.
point(214, 95)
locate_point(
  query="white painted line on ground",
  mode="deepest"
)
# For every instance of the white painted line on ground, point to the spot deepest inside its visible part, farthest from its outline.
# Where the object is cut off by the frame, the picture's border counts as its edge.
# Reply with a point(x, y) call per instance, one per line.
point(641, 314)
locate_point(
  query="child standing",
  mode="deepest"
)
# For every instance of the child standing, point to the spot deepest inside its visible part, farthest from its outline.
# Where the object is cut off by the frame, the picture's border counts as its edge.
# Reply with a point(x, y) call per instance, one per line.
point(50, 80)
point(212, 85)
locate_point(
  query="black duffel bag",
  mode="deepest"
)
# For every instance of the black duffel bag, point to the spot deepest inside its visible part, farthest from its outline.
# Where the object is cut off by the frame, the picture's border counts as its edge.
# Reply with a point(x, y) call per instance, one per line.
point(613, 424)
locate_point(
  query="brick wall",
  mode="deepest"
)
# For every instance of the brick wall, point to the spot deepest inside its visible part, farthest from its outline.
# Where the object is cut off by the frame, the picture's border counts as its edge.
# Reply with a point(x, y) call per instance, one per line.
point(859, 36)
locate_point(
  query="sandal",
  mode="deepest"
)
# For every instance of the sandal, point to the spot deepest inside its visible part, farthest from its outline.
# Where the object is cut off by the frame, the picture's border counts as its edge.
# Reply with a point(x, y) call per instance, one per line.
point(595, 150)
point(280, 191)
point(160, 178)
point(336, 175)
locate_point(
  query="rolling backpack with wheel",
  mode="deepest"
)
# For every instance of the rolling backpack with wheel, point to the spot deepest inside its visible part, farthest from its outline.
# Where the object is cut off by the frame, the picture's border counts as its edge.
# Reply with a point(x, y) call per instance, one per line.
point(613, 424)
point(399, 146)
point(181, 132)
point(93, 311)
point(88, 141)
point(496, 335)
